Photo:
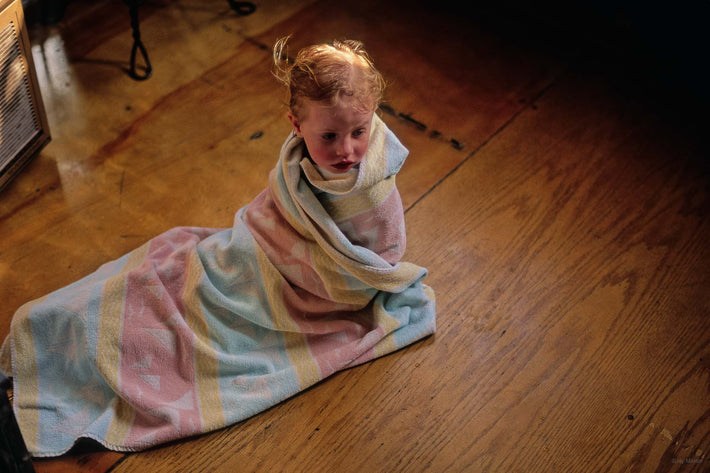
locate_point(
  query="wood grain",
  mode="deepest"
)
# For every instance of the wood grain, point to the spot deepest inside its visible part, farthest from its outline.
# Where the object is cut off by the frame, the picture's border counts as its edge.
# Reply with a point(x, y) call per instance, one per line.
point(564, 228)
point(580, 270)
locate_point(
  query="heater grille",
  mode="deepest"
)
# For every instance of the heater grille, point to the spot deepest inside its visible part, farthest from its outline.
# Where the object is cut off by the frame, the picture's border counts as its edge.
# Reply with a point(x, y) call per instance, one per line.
point(23, 123)
point(19, 123)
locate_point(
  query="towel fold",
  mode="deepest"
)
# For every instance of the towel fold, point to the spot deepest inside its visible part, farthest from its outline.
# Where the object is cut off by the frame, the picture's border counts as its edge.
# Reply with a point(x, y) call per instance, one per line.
point(200, 328)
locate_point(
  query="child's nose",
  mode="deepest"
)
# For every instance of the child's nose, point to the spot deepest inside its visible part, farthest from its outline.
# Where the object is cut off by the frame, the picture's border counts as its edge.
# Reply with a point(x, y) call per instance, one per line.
point(346, 147)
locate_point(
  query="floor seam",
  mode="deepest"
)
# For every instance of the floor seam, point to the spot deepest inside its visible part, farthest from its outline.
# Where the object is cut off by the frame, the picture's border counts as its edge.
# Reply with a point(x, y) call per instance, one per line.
point(530, 105)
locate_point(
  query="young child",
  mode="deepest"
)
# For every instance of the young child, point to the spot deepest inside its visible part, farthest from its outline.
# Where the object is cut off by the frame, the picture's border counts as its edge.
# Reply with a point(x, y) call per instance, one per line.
point(200, 328)
point(334, 90)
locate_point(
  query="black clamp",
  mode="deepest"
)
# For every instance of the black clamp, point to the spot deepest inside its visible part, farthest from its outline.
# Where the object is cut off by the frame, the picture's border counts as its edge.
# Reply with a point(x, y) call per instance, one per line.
point(137, 44)
point(242, 9)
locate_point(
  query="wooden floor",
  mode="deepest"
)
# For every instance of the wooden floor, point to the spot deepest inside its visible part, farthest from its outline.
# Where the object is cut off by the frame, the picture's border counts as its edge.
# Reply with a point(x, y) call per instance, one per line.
point(559, 201)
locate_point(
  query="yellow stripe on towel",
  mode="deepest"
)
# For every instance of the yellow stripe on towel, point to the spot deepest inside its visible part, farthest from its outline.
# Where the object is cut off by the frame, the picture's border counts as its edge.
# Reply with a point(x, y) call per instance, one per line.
point(208, 390)
point(25, 368)
point(296, 344)
point(343, 207)
point(335, 282)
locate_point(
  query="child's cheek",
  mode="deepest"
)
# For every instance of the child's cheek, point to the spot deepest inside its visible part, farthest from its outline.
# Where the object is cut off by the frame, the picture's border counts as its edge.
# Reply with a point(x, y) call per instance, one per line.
point(361, 152)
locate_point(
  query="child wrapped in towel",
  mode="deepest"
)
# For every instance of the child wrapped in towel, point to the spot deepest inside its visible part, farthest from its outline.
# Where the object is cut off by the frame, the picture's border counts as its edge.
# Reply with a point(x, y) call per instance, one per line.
point(200, 328)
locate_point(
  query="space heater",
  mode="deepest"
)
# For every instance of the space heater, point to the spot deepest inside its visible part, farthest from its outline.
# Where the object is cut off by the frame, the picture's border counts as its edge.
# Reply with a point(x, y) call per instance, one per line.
point(23, 121)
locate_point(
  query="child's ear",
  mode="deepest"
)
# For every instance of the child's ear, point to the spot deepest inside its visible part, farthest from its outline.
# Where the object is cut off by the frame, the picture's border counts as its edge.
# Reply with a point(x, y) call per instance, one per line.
point(296, 124)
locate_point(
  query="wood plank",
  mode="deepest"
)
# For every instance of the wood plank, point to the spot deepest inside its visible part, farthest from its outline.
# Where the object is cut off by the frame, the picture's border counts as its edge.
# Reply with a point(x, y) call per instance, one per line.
point(573, 293)
point(79, 461)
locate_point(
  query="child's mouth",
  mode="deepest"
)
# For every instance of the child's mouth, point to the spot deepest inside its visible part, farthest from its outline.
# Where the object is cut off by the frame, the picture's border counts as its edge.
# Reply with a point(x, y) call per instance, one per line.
point(343, 165)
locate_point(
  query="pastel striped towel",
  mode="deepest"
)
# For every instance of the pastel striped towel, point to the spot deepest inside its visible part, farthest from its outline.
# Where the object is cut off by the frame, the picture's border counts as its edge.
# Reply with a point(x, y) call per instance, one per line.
point(200, 328)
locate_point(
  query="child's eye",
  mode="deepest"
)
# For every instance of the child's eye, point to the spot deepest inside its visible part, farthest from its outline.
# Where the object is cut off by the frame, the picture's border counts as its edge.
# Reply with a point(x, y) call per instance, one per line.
point(328, 136)
point(359, 132)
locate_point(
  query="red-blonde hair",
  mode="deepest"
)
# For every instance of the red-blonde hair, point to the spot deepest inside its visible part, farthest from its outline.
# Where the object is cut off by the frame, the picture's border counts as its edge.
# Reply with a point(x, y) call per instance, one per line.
point(329, 72)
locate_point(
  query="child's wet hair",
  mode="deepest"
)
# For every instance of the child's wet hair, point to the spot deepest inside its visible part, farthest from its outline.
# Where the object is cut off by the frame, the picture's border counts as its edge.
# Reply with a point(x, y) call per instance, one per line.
point(328, 72)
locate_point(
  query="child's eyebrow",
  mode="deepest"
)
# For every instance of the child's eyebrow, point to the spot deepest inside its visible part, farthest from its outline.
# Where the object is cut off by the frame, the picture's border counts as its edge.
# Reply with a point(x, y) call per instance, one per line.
point(332, 130)
point(362, 125)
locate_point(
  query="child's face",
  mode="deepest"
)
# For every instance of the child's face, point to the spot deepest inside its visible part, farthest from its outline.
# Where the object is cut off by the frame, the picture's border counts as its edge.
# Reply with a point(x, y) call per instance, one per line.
point(336, 135)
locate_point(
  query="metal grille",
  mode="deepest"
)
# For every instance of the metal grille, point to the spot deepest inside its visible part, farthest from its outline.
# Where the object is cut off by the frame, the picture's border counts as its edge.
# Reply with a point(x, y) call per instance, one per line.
point(18, 120)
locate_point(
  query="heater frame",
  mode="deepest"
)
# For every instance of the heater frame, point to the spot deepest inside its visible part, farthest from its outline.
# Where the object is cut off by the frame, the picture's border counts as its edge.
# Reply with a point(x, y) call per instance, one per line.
point(12, 11)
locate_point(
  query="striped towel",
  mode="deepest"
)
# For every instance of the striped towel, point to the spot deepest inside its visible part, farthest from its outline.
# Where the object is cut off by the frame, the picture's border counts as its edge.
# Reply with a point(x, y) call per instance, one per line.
point(200, 328)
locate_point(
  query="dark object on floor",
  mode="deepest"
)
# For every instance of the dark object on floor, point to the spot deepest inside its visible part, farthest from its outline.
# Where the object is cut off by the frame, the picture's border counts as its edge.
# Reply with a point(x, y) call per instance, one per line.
point(13, 452)
point(137, 44)
point(242, 9)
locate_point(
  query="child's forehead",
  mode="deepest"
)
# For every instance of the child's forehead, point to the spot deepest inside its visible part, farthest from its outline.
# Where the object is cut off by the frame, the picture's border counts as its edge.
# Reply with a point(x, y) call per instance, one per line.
point(343, 112)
